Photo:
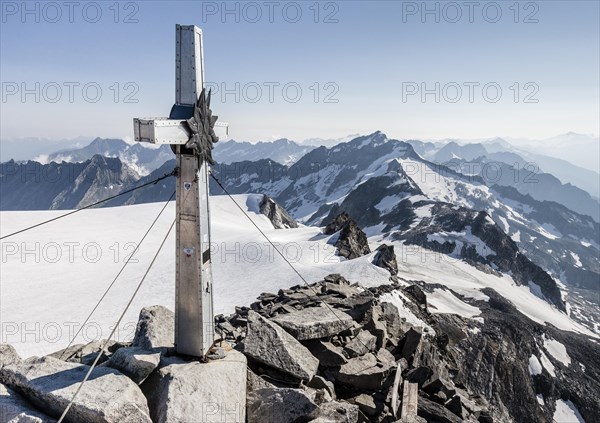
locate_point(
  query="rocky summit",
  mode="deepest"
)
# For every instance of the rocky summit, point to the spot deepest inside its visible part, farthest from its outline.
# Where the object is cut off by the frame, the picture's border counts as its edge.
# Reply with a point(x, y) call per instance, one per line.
point(331, 351)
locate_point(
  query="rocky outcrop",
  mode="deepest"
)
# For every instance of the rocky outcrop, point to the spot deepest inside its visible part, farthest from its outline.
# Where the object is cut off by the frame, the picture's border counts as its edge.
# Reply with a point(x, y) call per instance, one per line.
point(474, 237)
point(268, 343)
point(336, 224)
point(155, 328)
point(392, 360)
point(351, 241)
point(386, 258)
point(276, 214)
point(49, 383)
point(362, 368)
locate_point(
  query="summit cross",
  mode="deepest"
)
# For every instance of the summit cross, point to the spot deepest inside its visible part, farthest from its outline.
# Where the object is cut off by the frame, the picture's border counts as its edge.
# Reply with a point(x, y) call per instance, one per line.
point(189, 131)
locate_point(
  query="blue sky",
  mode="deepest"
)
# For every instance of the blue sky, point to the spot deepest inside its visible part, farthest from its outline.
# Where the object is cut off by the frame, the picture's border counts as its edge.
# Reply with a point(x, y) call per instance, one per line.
point(362, 58)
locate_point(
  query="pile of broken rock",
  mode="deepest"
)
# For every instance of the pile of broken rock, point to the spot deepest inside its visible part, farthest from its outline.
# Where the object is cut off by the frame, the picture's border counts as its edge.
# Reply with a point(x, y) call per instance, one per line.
point(328, 352)
point(333, 352)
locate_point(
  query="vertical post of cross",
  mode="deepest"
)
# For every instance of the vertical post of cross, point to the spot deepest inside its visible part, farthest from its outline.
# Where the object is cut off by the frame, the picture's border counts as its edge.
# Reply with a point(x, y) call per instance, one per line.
point(194, 321)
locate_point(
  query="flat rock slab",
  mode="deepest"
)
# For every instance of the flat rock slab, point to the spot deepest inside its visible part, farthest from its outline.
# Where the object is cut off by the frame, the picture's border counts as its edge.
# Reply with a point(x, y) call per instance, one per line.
point(200, 392)
point(327, 353)
point(136, 363)
point(281, 405)
point(363, 343)
point(155, 328)
point(14, 409)
point(432, 411)
point(107, 397)
point(364, 372)
point(268, 343)
point(314, 322)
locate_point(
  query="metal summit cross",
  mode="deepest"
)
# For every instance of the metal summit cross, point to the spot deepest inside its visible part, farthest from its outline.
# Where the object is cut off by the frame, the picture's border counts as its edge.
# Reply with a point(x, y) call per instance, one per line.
point(189, 130)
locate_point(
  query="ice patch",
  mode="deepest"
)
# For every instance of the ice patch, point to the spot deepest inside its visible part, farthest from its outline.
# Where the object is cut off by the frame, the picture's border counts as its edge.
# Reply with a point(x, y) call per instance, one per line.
point(540, 399)
point(566, 412)
point(576, 258)
point(535, 367)
point(504, 223)
point(547, 365)
point(557, 350)
point(442, 301)
point(549, 231)
point(396, 298)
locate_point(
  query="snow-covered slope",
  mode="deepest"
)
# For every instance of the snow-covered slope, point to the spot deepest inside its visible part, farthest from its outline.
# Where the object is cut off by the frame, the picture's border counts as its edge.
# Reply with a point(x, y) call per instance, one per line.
point(52, 276)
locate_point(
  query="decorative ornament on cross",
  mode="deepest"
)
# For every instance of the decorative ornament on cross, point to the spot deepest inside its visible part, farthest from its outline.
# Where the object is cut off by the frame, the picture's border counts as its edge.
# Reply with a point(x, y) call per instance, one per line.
point(201, 126)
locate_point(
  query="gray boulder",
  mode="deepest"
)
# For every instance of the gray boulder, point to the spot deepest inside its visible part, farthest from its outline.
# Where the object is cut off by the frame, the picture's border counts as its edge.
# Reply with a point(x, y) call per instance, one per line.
point(155, 328)
point(87, 353)
point(410, 342)
point(276, 214)
point(314, 322)
point(432, 411)
point(352, 241)
point(363, 343)
point(270, 344)
point(338, 412)
point(8, 355)
point(328, 354)
point(135, 362)
point(386, 258)
point(391, 316)
point(281, 405)
point(49, 383)
point(366, 403)
point(208, 392)
point(364, 372)
point(255, 382)
point(14, 409)
point(319, 382)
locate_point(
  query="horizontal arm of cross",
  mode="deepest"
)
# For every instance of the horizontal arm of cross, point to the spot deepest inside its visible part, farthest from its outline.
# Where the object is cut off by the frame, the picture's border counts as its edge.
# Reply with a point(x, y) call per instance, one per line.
point(169, 131)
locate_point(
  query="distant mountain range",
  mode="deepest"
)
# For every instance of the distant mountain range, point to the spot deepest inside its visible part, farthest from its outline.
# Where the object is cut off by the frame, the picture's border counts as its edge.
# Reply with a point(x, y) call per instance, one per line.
point(282, 151)
point(386, 185)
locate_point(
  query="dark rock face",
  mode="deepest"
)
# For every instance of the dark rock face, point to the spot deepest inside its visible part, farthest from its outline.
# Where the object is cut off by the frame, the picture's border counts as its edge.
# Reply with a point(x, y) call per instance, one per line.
point(352, 241)
point(336, 224)
point(63, 185)
point(492, 248)
point(386, 258)
point(276, 214)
